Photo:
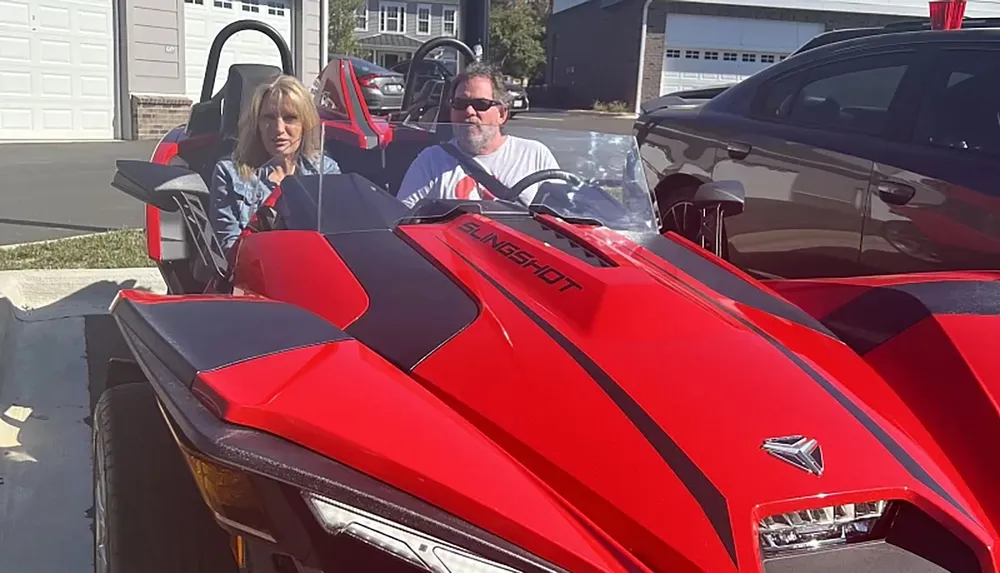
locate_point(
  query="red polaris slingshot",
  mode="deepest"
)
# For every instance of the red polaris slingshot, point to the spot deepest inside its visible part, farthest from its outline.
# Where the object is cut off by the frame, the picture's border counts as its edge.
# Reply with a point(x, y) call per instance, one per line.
point(493, 386)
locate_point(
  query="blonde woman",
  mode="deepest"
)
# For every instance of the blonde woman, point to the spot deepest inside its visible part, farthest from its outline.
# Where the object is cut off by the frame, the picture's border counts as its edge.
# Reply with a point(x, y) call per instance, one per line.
point(277, 138)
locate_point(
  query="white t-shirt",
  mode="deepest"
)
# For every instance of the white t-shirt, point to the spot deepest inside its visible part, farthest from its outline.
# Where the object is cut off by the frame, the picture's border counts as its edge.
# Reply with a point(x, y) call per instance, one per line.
point(436, 174)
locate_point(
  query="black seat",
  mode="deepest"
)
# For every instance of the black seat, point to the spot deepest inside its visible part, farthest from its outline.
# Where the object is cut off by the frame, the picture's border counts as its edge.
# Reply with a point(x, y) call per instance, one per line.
point(214, 124)
point(416, 135)
point(219, 114)
point(242, 81)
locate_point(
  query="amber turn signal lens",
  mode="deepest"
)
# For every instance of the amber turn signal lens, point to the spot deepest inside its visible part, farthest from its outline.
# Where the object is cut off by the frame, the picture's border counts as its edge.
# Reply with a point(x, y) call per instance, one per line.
point(230, 494)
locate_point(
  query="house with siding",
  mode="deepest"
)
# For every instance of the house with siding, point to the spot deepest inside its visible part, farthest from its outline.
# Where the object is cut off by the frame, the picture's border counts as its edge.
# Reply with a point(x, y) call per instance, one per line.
point(662, 46)
point(124, 69)
point(390, 31)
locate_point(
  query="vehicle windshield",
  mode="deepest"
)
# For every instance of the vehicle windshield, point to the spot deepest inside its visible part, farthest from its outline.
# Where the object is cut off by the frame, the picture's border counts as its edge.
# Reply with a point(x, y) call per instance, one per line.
point(366, 68)
point(367, 175)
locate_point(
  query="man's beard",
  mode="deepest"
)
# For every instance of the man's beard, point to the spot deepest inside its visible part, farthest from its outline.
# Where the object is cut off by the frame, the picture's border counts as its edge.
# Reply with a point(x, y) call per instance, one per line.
point(474, 137)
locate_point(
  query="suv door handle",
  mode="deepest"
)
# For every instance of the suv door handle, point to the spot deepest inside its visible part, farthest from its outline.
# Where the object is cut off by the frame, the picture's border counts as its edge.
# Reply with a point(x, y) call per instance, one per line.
point(738, 150)
point(895, 193)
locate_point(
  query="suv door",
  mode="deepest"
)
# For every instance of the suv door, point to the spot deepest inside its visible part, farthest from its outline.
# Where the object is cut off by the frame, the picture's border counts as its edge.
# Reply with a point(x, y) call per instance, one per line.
point(804, 155)
point(935, 203)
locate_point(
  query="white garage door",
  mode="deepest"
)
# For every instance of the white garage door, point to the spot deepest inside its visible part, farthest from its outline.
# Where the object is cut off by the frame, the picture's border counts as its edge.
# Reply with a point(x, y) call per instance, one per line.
point(204, 19)
point(705, 51)
point(56, 70)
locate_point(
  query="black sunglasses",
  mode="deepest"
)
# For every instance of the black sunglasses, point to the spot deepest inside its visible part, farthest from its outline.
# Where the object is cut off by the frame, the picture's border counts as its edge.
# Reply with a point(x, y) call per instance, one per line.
point(478, 104)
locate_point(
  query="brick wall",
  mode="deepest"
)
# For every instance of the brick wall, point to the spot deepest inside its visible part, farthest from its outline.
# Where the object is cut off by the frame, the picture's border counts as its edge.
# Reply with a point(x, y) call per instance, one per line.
point(652, 65)
point(154, 116)
point(657, 21)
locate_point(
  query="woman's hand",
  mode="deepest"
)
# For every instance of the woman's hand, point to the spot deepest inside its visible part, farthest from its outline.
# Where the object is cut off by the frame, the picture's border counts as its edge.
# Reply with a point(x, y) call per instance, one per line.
point(278, 175)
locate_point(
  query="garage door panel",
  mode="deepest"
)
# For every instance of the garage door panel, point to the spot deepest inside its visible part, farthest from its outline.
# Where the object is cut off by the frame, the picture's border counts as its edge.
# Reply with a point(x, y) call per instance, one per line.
point(53, 18)
point(56, 72)
point(708, 51)
point(719, 31)
point(15, 14)
point(14, 50)
point(204, 22)
point(15, 84)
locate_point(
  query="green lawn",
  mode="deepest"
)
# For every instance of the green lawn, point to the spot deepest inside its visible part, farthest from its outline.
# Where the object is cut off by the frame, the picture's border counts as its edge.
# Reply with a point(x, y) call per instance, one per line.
point(114, 249)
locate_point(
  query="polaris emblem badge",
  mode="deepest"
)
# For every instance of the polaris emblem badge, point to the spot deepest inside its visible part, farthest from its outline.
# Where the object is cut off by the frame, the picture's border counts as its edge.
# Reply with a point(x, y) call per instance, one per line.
point(803, 453)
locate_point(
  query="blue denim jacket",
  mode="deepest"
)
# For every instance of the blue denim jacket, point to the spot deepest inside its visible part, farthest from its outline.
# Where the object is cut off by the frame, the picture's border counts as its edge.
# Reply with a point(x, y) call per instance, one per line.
point(234, 199)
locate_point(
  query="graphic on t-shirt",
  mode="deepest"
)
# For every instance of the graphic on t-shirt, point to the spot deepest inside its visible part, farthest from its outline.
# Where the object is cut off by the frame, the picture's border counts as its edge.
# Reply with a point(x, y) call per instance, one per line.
point(436, 174)
point(465, 187)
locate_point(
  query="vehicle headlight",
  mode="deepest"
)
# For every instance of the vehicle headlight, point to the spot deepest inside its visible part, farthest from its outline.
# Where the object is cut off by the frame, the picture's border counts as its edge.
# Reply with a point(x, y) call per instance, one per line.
point(414, 547)
point(815, 528)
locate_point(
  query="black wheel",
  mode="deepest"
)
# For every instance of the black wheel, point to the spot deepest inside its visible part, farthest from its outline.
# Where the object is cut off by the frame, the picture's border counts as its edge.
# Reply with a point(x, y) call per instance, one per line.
point(148, 514)
point(679, 214)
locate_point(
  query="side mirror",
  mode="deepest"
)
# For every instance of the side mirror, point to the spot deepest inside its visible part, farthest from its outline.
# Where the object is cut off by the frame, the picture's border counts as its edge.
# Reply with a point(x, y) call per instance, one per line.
point(728, 196)
point(716, 200)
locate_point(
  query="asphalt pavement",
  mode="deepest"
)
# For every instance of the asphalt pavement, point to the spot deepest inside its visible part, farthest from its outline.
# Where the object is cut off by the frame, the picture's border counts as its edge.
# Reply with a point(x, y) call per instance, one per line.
point(576, 121)
point(54, 190)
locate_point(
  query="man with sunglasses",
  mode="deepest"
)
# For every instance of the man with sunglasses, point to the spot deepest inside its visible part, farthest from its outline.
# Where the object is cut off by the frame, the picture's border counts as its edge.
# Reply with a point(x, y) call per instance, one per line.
point(479, 106)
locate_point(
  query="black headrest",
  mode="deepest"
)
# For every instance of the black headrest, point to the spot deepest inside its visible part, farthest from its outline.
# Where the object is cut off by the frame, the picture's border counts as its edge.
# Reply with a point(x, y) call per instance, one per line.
point(243, 80)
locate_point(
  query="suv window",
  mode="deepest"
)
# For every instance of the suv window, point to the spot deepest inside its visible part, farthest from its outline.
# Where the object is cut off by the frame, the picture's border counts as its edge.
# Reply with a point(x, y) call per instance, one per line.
point(853, 95)
point(961, 110)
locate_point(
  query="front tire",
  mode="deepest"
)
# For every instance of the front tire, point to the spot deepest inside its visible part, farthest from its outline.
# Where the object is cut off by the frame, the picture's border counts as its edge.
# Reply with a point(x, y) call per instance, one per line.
point(678, 214)
point(148, 514)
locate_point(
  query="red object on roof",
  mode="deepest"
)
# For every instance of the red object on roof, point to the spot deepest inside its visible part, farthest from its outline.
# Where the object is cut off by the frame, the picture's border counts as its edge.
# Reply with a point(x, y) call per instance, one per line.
point(947, 14)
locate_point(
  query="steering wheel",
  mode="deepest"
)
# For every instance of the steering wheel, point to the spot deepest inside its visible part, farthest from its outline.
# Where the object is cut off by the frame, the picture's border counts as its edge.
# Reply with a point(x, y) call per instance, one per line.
point(543, 175)
point(592, 202)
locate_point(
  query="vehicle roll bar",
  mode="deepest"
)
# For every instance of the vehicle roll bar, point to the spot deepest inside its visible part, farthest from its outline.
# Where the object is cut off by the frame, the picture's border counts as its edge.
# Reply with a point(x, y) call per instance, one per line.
point(212, 66)
point(421, 53)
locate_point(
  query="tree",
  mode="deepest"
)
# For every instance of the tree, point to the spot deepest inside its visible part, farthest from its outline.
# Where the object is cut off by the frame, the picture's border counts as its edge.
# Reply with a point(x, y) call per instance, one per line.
point(517, 36)
point(343, 16)
point(543, 8)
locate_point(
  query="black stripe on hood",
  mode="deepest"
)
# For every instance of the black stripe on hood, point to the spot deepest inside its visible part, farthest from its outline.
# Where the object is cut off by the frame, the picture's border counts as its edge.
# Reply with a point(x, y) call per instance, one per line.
point(892, 446)
point(723, 281)
point(711, 500)
point(881, 313)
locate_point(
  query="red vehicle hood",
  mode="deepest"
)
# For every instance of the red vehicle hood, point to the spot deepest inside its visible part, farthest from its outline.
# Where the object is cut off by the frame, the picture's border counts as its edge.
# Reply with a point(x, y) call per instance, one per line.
point(618, 393)
point(644, 400)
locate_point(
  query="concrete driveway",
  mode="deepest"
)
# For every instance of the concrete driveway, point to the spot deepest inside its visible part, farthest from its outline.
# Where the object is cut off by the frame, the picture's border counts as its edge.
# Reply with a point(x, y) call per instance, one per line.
point(53, 190)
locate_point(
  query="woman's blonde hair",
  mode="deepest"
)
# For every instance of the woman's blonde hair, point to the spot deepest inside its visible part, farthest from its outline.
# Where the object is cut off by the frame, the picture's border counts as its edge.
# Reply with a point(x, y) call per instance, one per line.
point(250, 153)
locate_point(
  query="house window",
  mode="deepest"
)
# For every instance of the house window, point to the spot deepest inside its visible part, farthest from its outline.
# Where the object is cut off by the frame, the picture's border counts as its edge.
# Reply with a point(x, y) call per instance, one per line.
point(450, 22)
point(711, 55)
point(251, 6)
point(671, 53)
point(361, 18)
point(198, 2)
point(767, 58)
point(275, 9)
point(729, 57)
point(749, 57)
point(392, 18)
point(424, 19)
point(692, 54)
point(223, 4)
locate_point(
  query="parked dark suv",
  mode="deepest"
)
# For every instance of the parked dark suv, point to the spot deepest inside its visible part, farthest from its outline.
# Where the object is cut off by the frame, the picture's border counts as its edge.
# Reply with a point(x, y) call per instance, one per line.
point(879, 154)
